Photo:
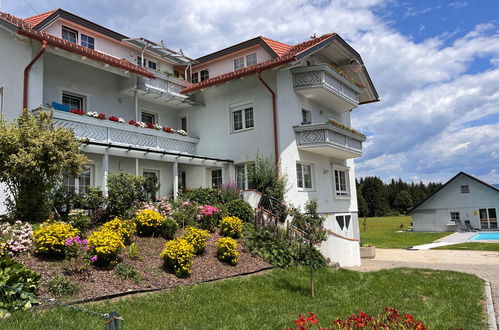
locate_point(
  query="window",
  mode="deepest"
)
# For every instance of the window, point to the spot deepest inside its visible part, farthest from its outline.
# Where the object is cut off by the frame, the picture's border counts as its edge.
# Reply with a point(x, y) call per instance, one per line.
point(241, 176)
point(152, 65)
point(183, 123)
point(194, 78)
point(304, 176)
point(343, 221)
point(242, 118)
point(183, 181)
point(306, 117)
point(251, 59)
point(455, 216)
point(340, 182)
point(148, 118)
point(73, 101)
point(152, 175)
point(87, 41)
point(465, 189)
point(141, 61)
point(80, 184)
point(216, 178)
point(238, 63)
point(204, 75)
point(69, 35)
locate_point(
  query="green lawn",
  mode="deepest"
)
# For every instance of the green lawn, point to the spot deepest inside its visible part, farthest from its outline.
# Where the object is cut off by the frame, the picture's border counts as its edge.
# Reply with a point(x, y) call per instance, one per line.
point(441, 299)
point(383, 232)
point(471, 246)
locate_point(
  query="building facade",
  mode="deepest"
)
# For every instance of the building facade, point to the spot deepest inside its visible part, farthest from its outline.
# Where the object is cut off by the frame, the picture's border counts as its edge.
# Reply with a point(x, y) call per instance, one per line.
point(463, 198)
point(197, 122)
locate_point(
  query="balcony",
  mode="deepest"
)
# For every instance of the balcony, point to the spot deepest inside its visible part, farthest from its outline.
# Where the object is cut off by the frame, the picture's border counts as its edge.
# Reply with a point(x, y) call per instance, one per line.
point(122, 134)
point(329, 140)
point(322, 84)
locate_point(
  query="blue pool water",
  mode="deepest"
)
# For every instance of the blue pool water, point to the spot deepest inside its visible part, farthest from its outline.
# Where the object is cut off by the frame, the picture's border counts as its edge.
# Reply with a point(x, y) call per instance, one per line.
point(485, 236)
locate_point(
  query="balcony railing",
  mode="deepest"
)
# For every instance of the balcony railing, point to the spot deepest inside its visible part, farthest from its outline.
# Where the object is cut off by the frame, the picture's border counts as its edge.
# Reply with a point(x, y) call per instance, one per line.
point(163, 84)
point(324, 85)
point(329, 140)
point(106, 131)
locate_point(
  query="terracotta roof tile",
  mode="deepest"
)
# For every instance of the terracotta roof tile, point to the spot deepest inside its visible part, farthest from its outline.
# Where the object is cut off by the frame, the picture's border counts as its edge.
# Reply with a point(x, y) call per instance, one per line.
point(26, 30)
point(278, 47)
point(37, 19)
point(288, 55)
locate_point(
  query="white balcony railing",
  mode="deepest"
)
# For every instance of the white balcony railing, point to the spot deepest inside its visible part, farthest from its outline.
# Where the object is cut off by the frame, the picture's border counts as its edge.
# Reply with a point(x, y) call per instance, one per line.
point(324, 85)
point(106, 131)
point(330, 140)
point(163, 84)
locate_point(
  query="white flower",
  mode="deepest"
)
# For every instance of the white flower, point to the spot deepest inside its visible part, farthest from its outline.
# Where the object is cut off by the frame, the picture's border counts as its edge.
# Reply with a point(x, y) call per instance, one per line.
point(142, 124)
point(121, 120)
point(92, 114)
point(182, 132)
point(158, 127)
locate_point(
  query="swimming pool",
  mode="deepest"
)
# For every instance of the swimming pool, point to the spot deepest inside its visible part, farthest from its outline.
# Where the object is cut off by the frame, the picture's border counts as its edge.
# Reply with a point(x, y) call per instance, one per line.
point(485, 237)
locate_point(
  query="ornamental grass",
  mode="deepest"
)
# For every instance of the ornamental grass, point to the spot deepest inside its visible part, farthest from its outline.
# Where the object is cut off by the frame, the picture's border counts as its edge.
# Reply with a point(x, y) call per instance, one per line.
point(125, 228)
point(231, 226)
point(148, 222)
point(50, 238)
point(227, 250)
point(197, 238)
point(178, 254)
point(105, 245)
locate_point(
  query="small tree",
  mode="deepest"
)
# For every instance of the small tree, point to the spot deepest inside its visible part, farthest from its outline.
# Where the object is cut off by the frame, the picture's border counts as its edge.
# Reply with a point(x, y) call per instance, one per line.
point(310, 224)
point(403, 201)
point(34, 155)
point(263, 177)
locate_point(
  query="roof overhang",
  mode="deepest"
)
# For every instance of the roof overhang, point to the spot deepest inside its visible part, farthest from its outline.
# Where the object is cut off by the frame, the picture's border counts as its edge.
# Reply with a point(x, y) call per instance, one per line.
point(158, 50)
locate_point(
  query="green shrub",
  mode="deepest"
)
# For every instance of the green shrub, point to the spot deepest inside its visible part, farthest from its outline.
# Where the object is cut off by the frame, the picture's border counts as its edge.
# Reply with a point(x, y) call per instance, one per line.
point(168, 228)
point(210, 217)
point(60, 286)
point(209, 196)
point(186, 214)
point(125, 189)
point(79, 219)
point(263, 177)
point(127, 272)
point(263, 243)
point(241, 209)
point(18, 286)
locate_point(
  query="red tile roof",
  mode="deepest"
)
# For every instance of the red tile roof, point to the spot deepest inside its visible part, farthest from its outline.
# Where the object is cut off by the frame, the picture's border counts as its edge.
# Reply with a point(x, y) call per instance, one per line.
point(278, 47)
point(26, 30)
point(37, 19)
point(285, 56)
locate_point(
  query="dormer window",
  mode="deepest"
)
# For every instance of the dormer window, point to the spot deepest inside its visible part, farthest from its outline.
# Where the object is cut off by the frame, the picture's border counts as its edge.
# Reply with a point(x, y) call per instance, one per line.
point(242, 62)
point(69, 35)
point(238, 63)
point(87, 41)
point(251, 59)
point(204, 75)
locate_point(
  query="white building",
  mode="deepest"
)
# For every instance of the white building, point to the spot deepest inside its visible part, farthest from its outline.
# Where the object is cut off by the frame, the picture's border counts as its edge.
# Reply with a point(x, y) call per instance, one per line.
point(463, 198)
point(288, 102)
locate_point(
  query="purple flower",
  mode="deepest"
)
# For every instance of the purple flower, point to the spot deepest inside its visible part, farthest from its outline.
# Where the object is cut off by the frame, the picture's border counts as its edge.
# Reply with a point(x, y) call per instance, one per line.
point(93, 259)
point(77, 240)
point(68, 241)
point(84, 242)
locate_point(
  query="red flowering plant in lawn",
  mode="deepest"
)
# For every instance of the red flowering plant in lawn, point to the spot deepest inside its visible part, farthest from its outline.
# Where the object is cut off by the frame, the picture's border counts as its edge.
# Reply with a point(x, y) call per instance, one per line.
point(77, 112)
point(391, 319)
point(101, 116)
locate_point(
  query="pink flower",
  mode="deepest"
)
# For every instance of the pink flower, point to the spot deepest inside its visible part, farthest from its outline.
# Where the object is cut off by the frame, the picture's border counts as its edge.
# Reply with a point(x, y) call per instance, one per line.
point(209, 210)
point(68, 242)
point(93, 259)
point(84, 242)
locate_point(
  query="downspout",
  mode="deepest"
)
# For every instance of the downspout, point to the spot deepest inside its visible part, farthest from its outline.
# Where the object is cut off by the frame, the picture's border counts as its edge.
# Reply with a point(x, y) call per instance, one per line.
point(26, 73)
point(274, 114)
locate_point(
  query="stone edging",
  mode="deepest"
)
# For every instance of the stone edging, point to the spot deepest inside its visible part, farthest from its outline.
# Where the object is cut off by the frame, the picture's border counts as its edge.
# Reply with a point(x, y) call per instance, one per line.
point(490, 306)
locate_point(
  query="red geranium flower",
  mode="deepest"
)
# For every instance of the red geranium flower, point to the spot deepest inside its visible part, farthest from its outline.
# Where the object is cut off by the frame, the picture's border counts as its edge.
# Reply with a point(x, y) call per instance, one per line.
point(150, 125)
point(77, 112)
point(133, 122)
point(168, 129)
point(113, 118)
point(101, 116)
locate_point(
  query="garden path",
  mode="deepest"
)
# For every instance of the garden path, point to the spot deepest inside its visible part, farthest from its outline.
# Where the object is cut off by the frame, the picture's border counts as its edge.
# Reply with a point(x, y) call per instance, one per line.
point(482, 263)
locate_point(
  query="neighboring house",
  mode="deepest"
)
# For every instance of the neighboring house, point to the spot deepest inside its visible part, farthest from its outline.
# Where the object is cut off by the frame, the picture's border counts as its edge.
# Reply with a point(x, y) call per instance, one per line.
point(291, 103)
point(462, 198)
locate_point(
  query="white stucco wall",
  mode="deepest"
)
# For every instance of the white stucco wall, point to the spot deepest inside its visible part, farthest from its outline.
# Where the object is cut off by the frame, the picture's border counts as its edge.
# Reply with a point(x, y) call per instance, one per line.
point(434, 213)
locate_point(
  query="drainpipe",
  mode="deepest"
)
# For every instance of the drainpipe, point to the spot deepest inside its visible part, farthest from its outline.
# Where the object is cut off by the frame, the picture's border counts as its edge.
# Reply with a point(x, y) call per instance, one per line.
point(26, 73)
point(274, 114)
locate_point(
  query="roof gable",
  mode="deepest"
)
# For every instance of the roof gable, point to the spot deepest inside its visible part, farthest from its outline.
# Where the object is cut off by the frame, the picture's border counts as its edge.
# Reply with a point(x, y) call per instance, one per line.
point(454, 178)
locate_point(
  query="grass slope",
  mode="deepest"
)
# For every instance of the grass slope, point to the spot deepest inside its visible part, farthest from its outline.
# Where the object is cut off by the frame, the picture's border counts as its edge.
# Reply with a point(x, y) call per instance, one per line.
point(441, 299)
point(471, 246)
point(383, 233)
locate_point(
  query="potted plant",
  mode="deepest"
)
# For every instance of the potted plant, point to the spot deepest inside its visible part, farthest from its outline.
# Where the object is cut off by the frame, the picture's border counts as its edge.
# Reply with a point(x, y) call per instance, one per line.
point(367, 251)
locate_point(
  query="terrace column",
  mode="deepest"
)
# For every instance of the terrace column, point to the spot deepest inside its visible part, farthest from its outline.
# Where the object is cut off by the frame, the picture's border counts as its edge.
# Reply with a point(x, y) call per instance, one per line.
point(137, 167)
point(175, 179)
point(105, 171)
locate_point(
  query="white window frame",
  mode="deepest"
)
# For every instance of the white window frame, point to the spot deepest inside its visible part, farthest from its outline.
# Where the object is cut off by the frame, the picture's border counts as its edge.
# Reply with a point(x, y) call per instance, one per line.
point(156, 171)
point(221, 177)
point(241, 107)
point(201, 75)
point(246, 177)
point(246, 59)
point(342, 194)
point(88, 36)
point(75, 95)
point(152, 113)
point(454, 213)
point(346, 229)
point(466, 189)
point(70, 30)
point(76, 180)
point(312, 176)
point(243, 63)
point(195, 74)
point(149, 62)
point(186, 123)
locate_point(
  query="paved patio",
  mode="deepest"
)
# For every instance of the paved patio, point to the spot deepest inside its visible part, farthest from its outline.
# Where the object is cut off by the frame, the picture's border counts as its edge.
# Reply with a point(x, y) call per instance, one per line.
point(481, 263)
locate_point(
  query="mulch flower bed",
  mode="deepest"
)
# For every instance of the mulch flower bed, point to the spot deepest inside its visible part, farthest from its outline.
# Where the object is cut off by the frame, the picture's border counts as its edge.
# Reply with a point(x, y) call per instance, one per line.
point(97, 282)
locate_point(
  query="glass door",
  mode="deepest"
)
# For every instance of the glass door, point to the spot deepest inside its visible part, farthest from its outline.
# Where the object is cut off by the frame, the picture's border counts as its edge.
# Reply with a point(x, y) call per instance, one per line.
point(492, 219)
point(484, 223)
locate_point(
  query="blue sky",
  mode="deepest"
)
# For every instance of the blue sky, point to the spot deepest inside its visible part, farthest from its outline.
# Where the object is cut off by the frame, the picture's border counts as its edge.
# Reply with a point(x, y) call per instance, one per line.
point(435, 65)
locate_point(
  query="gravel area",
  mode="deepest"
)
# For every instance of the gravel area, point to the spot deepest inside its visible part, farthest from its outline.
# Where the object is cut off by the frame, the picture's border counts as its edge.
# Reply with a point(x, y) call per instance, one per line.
point(102, 282)
point(482, 263)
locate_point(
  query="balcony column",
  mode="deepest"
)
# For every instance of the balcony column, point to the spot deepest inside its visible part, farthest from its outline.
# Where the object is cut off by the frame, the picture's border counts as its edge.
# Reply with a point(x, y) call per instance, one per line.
point(136, 104)
point(175, 179)
point(137, 173)
point(105, 171)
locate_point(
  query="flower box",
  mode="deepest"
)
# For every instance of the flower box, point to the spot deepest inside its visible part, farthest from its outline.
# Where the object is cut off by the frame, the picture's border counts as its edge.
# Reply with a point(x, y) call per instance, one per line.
point(368, 252)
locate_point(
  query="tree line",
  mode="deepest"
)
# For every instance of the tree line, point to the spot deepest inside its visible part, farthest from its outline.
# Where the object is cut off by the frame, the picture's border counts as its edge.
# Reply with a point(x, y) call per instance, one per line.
point(377, 198)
